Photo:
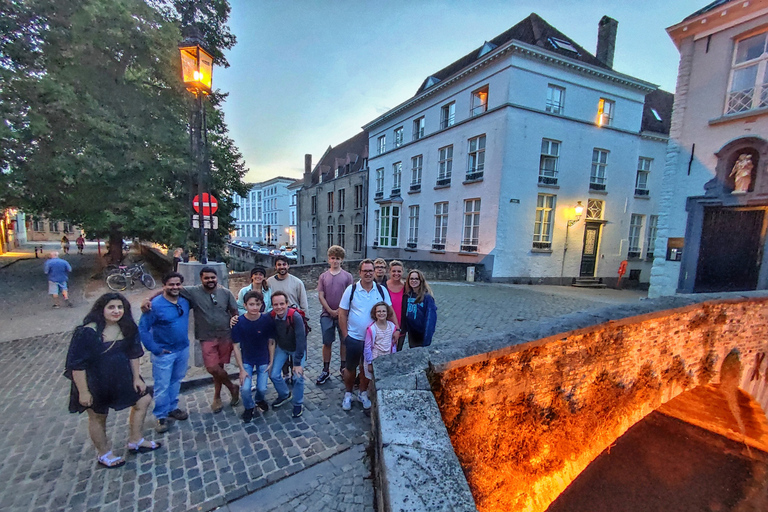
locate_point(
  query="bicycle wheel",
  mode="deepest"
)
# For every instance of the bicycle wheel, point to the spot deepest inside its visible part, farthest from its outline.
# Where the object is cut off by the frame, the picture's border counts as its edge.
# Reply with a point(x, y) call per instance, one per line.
point(117, 282)
point(148, 281)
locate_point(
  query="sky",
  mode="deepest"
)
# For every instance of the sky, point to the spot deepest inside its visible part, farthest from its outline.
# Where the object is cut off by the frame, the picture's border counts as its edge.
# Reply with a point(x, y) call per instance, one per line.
point(308, 74)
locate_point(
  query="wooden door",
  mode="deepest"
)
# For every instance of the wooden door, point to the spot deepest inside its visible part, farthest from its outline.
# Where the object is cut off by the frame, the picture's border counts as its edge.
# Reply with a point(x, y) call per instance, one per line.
point(590, 249)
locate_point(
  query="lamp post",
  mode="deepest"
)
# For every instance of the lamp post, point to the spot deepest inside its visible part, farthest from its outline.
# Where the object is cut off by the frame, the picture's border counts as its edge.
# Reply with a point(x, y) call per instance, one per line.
point(197, 74)
point(577, 210)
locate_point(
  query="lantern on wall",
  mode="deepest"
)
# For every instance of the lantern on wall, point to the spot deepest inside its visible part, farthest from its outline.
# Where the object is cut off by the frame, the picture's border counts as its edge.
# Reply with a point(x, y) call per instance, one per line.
point(196, 66)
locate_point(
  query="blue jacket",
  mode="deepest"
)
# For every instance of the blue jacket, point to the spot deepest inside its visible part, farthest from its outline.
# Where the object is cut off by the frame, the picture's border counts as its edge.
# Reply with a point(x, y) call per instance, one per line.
point(419, 317)
point(165, 326)
point(57, 270)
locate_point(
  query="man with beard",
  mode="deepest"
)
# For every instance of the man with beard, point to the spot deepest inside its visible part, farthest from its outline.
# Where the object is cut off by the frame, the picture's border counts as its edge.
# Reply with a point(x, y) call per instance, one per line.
point(163, 332)
point(289, 284)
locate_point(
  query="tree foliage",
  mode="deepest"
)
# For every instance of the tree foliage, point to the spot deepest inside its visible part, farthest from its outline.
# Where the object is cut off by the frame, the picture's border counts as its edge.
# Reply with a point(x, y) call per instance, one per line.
point(96, 125)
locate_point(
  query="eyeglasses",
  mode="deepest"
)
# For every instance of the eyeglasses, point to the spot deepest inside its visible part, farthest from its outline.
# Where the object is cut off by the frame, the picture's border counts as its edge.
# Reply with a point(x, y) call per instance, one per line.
point(380, 268)
point(366, 271)
point(213, 299)
point(179, 309)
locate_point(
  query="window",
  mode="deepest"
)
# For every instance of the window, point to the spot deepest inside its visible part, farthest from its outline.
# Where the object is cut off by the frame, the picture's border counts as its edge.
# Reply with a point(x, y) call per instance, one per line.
point(330, 231)
point(413, 226)
point(337, 172)
point(358, 196)
point(447, 115)
point(479, 101)
point(314, 205)
point(555, 99)
point(341, 237)
point(358, 237)
point(65, 227)
point(390, 226)
point(330, 202)
point(38, 225)
point(650, 239)
point(379, 182)
point(542, 226)
point(397, 173)
point(342, 199)
point(444, 165)
point(416, 163)
point(550, 153)
point(53, 226)
point(476, 158)
point(471, 225)
point(441, 226)
point(641, 180)
point(635, 229)
point(418, 128)
point(749, 76)
point(375, 228)
point(314, 233)
point(594, 209)
point(398, 137)
point(382, 144)
point(597, 174)
point(605, 112)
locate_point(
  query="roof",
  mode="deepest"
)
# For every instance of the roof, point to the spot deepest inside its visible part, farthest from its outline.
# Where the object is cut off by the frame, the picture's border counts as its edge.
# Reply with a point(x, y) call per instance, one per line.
point(348, 157)
point(657, 103)
point(534, 31)
point(713, 5)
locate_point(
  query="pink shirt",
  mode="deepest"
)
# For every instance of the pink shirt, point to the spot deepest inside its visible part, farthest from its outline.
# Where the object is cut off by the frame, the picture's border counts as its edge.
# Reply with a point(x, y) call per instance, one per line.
point(397, 303)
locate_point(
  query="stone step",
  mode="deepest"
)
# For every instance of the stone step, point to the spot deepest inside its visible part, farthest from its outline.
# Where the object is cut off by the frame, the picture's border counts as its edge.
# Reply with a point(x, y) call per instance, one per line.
point(587, 282)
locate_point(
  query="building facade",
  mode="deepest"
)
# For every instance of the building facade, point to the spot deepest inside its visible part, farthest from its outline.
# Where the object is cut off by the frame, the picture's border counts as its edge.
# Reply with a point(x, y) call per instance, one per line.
point(248, 216)
point(41, 229)
point(332, 201)
point(263, 216)
point(529, 155)
point(712, 223)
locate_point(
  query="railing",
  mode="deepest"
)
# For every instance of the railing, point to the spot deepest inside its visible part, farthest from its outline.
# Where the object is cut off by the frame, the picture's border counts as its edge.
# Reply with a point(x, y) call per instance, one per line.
point(472, 176)
point(642, 192)
point(542, 245)
point(548, 180)
point(443, 181)
point(379, 195)
point(415, 187)
point(597, 186)
point(468, 248)
point(633, 254)
point(411, 245)
point(438, 247)
point(395, 192)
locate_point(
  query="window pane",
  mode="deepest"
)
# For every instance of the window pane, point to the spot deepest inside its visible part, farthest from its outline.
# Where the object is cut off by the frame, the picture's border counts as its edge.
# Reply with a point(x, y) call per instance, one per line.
point(750, 48)
point(744, 78)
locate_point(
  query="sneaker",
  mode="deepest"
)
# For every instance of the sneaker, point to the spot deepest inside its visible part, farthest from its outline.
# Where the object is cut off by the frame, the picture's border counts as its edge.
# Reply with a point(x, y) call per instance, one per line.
point(263, 405)
point(178, 414)
point(247, 415)
point(280, 401)
point(347, 403)
point(363, 397)
point(297, 410)
point(162, 426)
point(323, 378)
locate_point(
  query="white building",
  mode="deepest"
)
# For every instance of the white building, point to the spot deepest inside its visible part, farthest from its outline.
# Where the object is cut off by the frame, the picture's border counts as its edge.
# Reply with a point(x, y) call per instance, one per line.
point(491, 157)
point(712, 229)
point(264, 214)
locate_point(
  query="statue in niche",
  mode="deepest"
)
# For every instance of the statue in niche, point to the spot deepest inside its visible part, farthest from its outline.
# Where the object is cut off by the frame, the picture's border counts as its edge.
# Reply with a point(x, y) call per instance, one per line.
point(742, 173)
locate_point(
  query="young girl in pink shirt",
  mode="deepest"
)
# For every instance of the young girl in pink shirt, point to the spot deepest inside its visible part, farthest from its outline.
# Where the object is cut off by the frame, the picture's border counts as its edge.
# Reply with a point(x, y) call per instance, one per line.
point(380, 336)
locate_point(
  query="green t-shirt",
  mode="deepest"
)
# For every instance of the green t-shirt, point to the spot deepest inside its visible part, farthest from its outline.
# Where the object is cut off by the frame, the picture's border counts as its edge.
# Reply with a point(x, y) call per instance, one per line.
point(213, 310)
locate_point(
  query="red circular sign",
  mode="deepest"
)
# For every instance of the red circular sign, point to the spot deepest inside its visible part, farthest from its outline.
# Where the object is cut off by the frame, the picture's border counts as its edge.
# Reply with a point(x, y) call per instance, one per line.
point(210, 204)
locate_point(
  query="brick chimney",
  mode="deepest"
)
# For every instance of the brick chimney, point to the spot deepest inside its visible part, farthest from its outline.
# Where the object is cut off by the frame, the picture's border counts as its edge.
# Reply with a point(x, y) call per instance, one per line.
point(606, 40)
point(307, 170)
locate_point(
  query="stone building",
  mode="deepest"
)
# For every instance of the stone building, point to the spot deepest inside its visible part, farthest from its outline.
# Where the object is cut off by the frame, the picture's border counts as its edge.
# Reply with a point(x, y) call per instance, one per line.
point(332, 201)
point(529, 155)
point(42, 229)
point(714, 197)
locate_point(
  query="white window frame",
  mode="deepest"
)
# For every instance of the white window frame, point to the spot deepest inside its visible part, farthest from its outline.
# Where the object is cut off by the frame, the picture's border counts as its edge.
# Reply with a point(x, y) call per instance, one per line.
point(548, 161)
point(418, 128)
point(471, 237)
point(397, 177)
point(476, 158)
point(375, 228)
point(555, 99)
point(447, 115)
point(635, 249)
point(398, 137)
point(650, 236)
point(544, 221)
point(641, 178)
point(380, 182)
point(441, 226)
point(413, 226)
point(756, 96)
point(417, 162)
point(479, 102)
point(390, 225)
point(444, 165)
point(605, 111)
point(381, 144)
point(597, 175)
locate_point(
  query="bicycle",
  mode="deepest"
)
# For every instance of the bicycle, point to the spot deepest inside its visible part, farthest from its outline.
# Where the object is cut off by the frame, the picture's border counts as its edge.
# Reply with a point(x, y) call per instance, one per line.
point(125, 276)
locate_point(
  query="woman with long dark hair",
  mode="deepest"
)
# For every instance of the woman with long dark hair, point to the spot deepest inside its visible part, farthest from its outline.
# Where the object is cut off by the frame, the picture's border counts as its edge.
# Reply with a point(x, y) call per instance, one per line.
point(103, 363)
point(419, 314)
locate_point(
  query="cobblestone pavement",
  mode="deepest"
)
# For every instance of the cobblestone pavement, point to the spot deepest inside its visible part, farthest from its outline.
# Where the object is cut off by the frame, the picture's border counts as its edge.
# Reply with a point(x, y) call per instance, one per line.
point(316, 462)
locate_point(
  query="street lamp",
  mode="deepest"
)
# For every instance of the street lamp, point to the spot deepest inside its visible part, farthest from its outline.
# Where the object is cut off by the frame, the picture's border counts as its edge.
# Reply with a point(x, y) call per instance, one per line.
point(197, 74)
point(577, 210)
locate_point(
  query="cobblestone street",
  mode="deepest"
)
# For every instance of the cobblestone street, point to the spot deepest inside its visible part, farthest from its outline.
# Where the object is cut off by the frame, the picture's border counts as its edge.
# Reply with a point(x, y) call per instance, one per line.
point(316, 462)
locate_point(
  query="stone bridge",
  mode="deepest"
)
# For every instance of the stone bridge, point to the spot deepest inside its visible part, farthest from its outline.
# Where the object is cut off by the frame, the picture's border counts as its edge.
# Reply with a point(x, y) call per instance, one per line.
point(526, 412)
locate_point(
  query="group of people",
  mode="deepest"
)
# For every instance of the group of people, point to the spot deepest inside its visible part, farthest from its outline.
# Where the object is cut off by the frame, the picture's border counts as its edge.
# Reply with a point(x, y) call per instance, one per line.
point(79, 242)
point(265, 328)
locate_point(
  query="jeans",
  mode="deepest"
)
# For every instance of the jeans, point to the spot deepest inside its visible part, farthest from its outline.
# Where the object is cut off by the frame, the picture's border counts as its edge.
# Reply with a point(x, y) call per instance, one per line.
point(261, 384)
point(281, 356)
point(168, 370)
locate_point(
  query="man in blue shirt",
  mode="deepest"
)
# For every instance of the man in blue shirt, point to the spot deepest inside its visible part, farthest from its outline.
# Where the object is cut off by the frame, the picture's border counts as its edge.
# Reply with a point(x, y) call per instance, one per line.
point(163, 332)
point(57, 270)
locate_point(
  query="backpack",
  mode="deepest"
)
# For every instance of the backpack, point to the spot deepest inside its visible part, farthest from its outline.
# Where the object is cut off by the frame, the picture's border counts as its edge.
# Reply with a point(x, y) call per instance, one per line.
point(289, 317)
point(352, 294)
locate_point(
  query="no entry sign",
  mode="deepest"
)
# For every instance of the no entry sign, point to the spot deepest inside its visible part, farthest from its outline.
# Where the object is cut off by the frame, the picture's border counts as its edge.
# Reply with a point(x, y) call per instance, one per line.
point(210, 204)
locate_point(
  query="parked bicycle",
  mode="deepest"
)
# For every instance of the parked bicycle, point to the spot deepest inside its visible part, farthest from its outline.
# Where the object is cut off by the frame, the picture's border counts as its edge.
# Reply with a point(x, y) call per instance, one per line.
point(124, 276)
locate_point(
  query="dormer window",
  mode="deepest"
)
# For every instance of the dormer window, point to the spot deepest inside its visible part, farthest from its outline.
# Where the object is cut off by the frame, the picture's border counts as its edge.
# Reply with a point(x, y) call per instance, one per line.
point(561, 44)
point(487, 48)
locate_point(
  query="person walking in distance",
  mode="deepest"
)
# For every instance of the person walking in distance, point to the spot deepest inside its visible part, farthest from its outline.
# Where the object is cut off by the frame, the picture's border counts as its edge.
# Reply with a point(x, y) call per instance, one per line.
point(354, 318)
point(291, 340)
point(163, 332)
point(419, 310)
point(330, 287)
point(58, 273)
point(80, 243)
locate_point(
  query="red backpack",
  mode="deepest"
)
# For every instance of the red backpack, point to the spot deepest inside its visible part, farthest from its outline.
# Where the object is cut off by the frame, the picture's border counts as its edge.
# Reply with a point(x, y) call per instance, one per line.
point(289, 318)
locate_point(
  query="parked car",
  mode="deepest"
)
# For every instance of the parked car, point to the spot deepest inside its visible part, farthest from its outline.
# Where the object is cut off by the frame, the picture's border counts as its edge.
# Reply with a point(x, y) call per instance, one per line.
point(291, 255)
point(263, 250)
point(275, 252)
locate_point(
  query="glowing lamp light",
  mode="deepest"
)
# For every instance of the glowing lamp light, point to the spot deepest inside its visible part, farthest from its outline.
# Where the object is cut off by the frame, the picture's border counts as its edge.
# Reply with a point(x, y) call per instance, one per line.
point(196, 68)
point(579, 209)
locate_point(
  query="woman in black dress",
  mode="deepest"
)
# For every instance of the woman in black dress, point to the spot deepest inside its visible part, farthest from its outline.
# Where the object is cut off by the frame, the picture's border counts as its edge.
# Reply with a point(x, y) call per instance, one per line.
point(103, 362)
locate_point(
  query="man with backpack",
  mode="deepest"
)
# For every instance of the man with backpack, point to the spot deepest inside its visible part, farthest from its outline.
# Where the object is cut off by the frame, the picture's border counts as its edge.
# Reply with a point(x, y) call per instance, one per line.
point(291, 340)
point(354, 318)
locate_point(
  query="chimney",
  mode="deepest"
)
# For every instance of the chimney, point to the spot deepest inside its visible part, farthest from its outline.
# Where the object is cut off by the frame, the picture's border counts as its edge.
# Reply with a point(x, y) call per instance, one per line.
point(606, 40)
point(307, 170)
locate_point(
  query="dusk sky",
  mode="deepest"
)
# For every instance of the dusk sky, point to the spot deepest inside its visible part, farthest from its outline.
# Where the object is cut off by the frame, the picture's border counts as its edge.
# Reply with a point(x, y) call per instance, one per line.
point(308, 74)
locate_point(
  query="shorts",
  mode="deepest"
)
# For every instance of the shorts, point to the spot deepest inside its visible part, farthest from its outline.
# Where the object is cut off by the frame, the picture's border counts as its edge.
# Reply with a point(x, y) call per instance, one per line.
point(329, 326)
point(216, 351)
point(55, 288)
point(354, 353)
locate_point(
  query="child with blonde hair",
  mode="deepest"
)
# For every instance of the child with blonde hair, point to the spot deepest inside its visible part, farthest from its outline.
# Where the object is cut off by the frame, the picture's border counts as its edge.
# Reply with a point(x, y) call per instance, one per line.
point(380, 337)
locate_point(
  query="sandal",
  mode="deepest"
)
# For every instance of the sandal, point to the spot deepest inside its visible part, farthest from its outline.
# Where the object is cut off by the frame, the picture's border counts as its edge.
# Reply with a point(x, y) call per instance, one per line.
point(110, 461)
point(140, 447)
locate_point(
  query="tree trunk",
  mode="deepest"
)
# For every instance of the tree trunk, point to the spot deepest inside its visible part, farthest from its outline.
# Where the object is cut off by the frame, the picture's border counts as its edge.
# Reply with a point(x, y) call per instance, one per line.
point(115, 254)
